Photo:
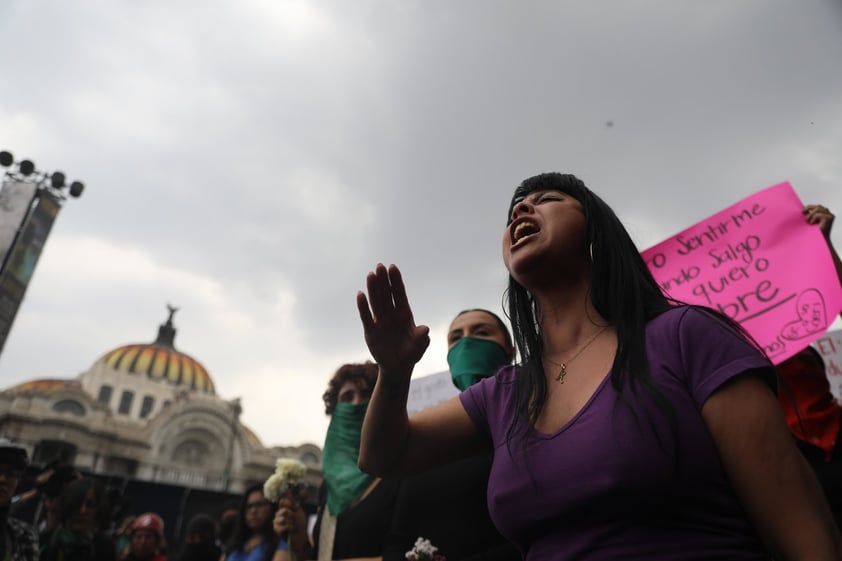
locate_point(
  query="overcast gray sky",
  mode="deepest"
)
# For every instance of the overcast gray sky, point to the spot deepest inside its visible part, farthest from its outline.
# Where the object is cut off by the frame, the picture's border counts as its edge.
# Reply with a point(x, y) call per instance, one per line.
point(251, 161)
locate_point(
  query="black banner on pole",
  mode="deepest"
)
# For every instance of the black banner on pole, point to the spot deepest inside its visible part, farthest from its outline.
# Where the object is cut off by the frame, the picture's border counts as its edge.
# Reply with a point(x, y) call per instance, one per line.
point(22, 259)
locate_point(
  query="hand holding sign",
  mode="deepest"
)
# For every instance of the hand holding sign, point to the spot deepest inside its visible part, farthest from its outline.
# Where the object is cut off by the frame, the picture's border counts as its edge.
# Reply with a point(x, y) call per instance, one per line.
point(820, 216)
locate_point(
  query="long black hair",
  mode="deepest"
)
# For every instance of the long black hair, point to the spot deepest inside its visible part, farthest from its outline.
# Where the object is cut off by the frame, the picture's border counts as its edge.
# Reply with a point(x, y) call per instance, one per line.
point(73, 497)
point(242, 532)
point(75, 494)
point(622, 290)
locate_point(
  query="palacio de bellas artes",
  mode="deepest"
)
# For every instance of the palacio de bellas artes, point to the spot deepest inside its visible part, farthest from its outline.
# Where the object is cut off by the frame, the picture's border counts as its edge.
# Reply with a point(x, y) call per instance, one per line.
point(145, 412)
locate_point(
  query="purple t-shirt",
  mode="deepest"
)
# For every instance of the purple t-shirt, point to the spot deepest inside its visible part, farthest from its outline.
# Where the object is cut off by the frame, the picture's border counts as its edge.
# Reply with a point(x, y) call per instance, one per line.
point(603, 487)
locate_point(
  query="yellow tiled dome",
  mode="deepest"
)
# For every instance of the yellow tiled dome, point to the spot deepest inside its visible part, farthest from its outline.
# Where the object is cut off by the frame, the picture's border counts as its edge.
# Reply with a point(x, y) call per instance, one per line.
point(161, 361)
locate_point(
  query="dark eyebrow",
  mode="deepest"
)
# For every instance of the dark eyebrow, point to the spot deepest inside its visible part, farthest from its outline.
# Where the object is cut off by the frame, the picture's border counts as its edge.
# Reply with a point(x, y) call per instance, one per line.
point(538, 194)
point(535, 194)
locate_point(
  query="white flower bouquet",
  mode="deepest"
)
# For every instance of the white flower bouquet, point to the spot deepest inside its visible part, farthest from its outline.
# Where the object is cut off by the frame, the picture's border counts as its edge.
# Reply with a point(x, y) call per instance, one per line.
point(424, 551)
point(287, 477)
point(287, 480)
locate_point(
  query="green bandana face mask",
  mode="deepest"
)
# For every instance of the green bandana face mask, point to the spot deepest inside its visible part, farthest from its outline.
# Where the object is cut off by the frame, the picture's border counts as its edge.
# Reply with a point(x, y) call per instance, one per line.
point(472, 359)
point(345, 481)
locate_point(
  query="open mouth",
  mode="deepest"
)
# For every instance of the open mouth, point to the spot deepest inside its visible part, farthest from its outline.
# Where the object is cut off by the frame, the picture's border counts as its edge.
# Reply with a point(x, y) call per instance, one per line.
point(523, 230)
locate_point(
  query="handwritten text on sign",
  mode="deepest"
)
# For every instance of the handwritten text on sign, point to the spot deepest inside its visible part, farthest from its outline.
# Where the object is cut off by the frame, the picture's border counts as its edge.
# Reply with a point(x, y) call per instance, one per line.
point(761, 264)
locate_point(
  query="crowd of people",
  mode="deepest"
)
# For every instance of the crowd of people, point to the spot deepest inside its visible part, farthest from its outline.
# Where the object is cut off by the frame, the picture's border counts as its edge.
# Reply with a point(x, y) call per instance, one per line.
point(67, 516)
point(617, 423)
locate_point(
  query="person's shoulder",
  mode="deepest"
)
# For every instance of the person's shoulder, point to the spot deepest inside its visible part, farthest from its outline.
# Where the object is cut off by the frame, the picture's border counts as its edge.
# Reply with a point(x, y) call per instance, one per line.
point(672, 315)
point(490, 392)
point(496, 386)
point(686, 315)
point(506, 375)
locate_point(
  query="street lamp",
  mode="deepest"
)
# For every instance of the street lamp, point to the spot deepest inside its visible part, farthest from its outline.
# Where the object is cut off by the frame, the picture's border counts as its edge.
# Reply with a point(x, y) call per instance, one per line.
point(29, 202)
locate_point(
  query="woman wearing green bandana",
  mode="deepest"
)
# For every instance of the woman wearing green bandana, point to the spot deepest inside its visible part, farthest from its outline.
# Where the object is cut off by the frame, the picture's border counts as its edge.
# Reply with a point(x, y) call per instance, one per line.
point(355, 510)
point(478, 344)
point(78, 536)
point(447, 505)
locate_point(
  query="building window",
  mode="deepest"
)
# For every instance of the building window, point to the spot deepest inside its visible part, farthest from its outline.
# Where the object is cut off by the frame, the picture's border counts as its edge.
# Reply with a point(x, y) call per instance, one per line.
point(69, 406)
point(105, 394)
point(146, 406)
point(126, 402)
point(309, 459)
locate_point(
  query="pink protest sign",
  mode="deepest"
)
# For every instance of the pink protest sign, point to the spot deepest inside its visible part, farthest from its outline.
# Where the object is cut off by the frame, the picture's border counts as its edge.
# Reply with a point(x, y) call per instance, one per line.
point(761, 264)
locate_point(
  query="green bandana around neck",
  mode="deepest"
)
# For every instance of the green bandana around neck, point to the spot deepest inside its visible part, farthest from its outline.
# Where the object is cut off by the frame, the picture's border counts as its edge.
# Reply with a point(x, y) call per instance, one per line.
point(345, 480)
point(471, 359)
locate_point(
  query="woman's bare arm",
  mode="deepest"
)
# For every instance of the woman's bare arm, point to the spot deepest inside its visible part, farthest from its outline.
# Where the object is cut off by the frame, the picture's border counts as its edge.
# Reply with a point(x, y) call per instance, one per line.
point(772, 480)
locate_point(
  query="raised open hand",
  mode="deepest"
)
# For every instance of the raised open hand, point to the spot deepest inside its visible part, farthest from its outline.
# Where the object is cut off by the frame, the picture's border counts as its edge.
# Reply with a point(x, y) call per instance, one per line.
point(394, 340)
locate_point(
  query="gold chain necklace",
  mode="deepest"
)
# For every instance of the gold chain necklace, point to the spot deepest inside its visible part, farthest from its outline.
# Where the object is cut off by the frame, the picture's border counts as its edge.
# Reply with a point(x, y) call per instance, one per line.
point(563, 372)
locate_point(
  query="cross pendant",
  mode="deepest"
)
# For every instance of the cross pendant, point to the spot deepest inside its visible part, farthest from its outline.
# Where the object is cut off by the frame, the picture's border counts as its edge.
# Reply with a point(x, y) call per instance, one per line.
point(561, 373)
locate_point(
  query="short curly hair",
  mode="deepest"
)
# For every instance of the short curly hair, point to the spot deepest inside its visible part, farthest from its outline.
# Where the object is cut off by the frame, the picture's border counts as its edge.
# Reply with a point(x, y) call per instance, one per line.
point(363, 374)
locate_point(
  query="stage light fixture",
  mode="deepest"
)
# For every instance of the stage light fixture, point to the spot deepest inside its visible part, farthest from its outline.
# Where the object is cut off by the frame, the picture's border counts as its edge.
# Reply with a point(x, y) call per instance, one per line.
point(57, 180)
point(26, 168)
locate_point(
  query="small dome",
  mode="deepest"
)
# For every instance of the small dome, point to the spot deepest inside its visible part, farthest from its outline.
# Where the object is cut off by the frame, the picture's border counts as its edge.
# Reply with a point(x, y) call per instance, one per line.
point(253, 439)
point(46, 386)
point(161, 361)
